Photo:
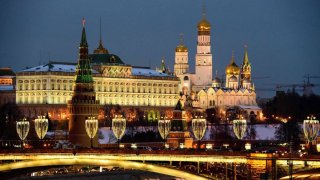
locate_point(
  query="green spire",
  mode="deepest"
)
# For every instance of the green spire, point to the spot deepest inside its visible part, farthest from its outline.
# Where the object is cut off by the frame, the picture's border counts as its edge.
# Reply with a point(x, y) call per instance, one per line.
point(83, 42)
point(83, 70)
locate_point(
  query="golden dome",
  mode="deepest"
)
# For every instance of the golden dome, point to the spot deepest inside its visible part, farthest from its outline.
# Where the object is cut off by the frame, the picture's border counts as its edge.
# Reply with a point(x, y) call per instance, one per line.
point(204, 25)
point(101, 49)
point(232, 68)
point(181, 48)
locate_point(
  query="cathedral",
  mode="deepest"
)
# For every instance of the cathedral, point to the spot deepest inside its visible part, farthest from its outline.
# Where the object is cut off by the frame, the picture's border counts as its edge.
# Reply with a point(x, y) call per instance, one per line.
point(201, 90)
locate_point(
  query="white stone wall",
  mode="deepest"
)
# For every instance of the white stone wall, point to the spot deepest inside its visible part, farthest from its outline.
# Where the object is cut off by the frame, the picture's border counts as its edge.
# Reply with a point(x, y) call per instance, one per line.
point(210, 98)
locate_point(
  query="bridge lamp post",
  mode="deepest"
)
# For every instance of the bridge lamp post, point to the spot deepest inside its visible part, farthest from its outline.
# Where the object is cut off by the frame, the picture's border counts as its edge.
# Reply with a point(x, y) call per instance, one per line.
point(91, 128)
point(199, 126)
point(164, 126)
point(311, 128)
point(22, 128)
point(41, 126)
point(118, 127)
point(239, 127)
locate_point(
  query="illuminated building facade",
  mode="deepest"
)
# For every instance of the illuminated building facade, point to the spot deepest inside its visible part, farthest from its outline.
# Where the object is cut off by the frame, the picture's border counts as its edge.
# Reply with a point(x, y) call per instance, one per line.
point(114, 82)
point(199, 89)
point(7, 86)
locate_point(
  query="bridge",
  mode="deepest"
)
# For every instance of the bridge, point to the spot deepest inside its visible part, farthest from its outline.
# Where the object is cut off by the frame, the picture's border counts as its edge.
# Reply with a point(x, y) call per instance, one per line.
point(147, 160)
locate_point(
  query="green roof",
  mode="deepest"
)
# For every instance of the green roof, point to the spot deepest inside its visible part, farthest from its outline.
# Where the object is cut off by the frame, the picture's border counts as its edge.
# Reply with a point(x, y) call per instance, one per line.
point(105, 59)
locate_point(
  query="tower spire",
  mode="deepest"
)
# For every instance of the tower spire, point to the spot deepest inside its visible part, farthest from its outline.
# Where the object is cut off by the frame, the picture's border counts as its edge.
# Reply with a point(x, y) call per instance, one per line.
point(203, 10)
point(232, 57)
point(83, 42)
point(100, 31)
point(83, 70)
point(245, 58)
point(181, 38)
point(100, 49)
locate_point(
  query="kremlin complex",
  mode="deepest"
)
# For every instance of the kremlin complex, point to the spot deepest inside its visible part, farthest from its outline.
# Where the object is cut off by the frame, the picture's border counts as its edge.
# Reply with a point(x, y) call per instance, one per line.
point(62, 90)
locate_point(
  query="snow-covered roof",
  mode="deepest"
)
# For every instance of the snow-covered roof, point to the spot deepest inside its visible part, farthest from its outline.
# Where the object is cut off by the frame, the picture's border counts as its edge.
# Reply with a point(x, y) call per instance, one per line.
point(6, 88)
point(147, 72)
point(52, 67)
point(70, 67)
point(55, 67)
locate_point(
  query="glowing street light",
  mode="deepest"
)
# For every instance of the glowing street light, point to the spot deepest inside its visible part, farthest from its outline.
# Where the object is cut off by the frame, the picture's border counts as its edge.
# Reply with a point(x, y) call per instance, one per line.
point(239, 127)
point(41, 126)
point(22, 128)
point(311, 129)
point(118, 127)
point(199, 126)
point(164, 126)
point(91, 127)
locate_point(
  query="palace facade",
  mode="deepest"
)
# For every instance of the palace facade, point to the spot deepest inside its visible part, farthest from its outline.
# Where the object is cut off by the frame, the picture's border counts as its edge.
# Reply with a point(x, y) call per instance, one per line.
point(115, 83)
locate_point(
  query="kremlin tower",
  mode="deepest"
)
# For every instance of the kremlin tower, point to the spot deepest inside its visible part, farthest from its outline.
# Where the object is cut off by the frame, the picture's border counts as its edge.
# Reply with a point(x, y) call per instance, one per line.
point(83, 103)
point(203, 61)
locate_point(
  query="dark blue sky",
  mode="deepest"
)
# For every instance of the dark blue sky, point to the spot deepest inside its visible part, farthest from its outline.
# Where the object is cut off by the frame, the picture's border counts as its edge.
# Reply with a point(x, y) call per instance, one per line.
point(283, 37)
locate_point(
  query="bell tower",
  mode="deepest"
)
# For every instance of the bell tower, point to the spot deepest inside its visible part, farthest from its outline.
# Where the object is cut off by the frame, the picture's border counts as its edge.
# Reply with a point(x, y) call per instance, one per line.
point(203, 74)
point(181, 65)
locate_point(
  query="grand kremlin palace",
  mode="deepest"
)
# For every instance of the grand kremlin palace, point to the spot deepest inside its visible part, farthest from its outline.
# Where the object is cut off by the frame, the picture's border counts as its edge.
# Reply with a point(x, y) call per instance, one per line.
point(48, 87)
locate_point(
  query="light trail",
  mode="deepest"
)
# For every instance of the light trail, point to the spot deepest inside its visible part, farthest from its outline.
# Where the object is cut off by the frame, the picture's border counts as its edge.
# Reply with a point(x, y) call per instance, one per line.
point(100, 162)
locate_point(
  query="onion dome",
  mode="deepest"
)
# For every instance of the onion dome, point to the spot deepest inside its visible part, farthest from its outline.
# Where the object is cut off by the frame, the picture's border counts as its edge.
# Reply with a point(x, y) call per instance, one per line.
point(232, 68)
point(181, 48)
point(204, 25)
point(216, 80)
point(233, 79)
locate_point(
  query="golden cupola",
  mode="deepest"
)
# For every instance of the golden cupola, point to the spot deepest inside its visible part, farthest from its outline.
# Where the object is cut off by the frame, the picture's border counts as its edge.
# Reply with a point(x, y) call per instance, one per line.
point(181, 48)
point(232, 68)
point(204, 25)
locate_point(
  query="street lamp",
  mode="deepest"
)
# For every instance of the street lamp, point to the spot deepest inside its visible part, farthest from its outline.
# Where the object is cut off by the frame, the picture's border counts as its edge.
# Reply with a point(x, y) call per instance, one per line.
point(22, 128)
point(91, 127)
point(199, 126)
point(310, 129)
point(41, 126)
point(239, 127)
point(164, 126)
point(118, 127)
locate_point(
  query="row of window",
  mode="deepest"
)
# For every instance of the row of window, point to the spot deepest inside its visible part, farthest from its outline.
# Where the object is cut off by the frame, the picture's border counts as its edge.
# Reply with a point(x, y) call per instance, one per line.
point(121, 101)
point(212, 102)
point(101, 88)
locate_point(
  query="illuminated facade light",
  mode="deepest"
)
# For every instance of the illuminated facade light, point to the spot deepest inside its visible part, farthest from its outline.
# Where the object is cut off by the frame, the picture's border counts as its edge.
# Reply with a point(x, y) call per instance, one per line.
point(247, 146)
point(118, 127)
point(22, 128)
point(91, 127)
point(41, 126)
point(209, 146)
point(239, 127)
point(199, 127)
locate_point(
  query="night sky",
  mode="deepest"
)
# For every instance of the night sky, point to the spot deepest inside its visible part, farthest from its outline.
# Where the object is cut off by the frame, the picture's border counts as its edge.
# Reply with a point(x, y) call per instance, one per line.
point(283, 37)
